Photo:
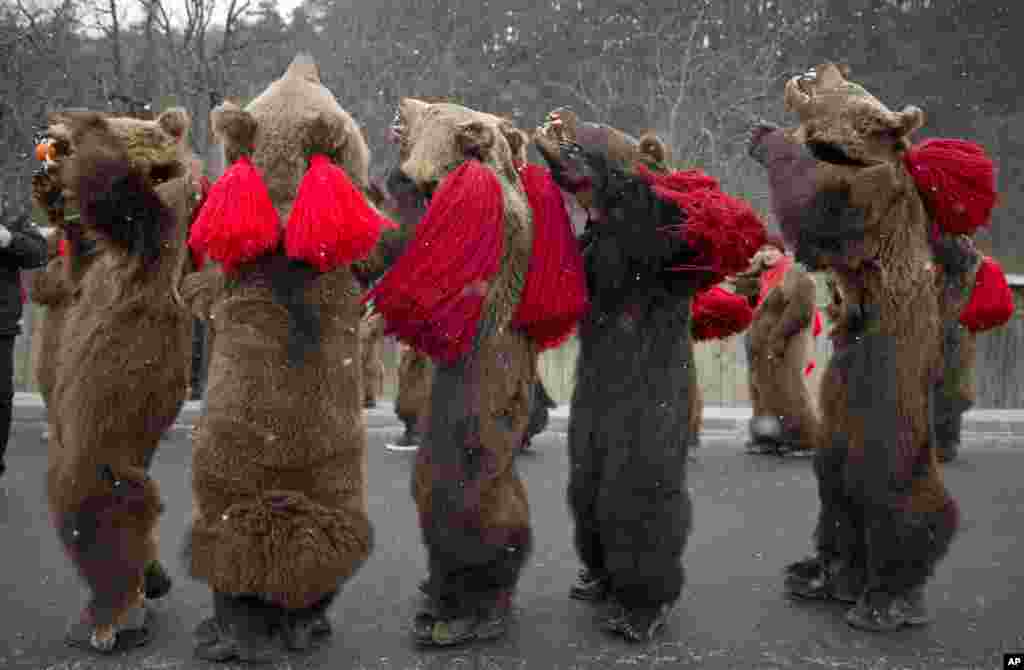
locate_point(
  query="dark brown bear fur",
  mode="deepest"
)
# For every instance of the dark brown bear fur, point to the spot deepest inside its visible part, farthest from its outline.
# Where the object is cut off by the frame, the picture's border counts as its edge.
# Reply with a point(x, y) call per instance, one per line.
point(845, 199)
point(119, 381)
point(472, 505)
point(631, 408)
point(279, 462)
point(371, 334)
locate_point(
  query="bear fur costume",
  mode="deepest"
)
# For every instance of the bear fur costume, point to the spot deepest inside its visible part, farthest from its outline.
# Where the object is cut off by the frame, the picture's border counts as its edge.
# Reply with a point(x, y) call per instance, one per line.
point(629, 420)
point(279, 463)
point(472, 505)
point(780, 347)
point(845, 189)
point(120, 377)
point(371, 334)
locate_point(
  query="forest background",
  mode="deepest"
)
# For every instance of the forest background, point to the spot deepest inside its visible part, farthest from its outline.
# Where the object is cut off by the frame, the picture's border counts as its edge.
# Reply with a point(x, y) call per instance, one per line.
point(698, 72)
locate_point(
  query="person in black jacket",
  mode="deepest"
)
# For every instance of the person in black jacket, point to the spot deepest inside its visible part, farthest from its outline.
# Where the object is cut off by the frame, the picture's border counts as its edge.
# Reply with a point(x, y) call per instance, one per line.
point(22, 247)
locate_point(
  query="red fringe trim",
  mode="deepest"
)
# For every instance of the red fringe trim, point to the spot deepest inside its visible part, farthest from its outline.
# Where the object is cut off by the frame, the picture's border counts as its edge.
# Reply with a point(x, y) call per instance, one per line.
point(724, 231)
point(238, 222)
point(718, 314)
point(991, 303)
point(433, 296)
point(555, 295)
point(957, 180)
point(331, 224)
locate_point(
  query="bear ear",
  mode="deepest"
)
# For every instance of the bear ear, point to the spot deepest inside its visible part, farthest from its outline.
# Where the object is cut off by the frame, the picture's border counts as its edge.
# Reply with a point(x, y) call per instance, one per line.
point(234, 127)
point(175, 122)
point(474, 138)
point(652, 148)
point(904, 123)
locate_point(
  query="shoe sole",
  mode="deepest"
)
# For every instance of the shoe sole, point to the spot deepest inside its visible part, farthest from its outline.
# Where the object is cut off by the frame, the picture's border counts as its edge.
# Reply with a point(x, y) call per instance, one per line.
point(398, 447)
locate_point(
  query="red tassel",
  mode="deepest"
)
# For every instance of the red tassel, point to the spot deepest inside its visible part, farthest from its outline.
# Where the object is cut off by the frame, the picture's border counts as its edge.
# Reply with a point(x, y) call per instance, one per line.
point(816, 330)
point(773, 276)
point(991, 303)
point(238, 222)
point(718, 314)
point(810, 368)
point(723, 230)
point(331, 224)
point(555, 296)
point(62, 247)
point(957, 181)
point(433, 296)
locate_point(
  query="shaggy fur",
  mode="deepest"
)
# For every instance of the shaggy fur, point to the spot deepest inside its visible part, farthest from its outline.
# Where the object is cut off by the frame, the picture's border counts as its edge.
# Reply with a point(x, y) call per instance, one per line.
point(851, 207)
point(279, 463)
point(119, 379)
point(472, 505)
point(415, 375)
point(630, 418)
point(780, 346)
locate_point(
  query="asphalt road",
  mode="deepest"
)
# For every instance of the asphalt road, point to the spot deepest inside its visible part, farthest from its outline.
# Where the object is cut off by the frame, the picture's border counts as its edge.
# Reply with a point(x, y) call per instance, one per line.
point(752, 516)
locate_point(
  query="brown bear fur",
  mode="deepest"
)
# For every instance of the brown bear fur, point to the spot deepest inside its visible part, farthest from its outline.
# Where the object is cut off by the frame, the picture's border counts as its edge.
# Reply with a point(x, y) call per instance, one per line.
point(472, 505)
point(781, 344)
point(279, 460)
point(118, 381)
point(845, 199)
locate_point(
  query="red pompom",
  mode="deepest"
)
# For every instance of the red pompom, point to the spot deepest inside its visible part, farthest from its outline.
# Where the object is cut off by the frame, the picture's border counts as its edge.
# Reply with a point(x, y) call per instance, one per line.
point(238, 222)
point(432, 298)
point(718, 314)
point(62, 247)
point(957, 181)
point(555, 296)
point(331, 224)
point(991, 303)
point(724, 231)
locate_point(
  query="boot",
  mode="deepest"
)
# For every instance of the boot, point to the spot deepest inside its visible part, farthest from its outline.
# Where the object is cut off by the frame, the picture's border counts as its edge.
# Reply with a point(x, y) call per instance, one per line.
point(244, 631)
point(949, 439)
point(590, 586)
point(638, 625)
point(157, 582)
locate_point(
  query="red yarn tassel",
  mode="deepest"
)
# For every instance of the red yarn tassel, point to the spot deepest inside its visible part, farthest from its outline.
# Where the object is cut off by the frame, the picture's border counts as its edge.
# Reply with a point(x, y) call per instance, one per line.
point(331, 224)
point(62, 247)
point(719, 314)
point(723, 230)
point(817, 324)
point(810, 368)
point(433, 296)
point(991, 303)
point(238, 222)
point(555, 296)
point(957, 180)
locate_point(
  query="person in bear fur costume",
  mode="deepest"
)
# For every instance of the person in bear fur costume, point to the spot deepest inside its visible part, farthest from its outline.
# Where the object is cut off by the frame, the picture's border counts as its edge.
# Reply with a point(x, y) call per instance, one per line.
point(973, 297)
point(855, 197)
point(118, 380)
point(278, 476)
point(491, 276)
point(654, 238)
point(781, 339)
point(371, 333)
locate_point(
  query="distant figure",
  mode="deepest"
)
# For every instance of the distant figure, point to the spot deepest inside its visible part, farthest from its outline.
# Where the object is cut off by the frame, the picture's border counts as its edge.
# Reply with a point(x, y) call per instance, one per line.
point(22, 247)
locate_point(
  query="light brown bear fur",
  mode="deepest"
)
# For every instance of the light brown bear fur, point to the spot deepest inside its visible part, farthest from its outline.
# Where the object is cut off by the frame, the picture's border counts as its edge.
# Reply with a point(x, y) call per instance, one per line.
point(886, 513)
point(279, 466)
point(119, 381)
point(496, 379)
point(780, 347)
point(415, 373)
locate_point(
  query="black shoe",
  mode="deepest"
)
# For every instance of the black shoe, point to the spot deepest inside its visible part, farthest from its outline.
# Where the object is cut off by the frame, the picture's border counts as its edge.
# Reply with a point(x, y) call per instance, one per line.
point(590, 587)
point(637, 625)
